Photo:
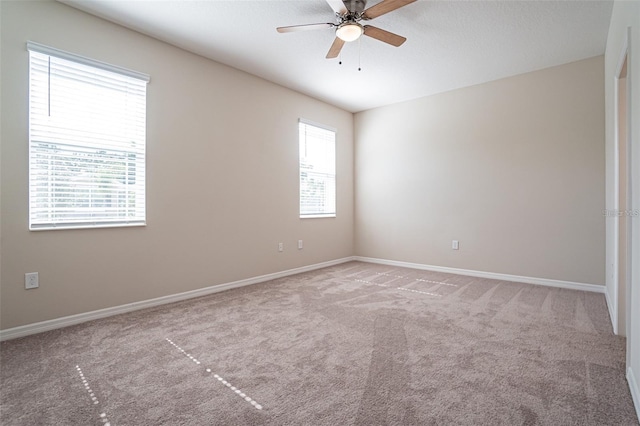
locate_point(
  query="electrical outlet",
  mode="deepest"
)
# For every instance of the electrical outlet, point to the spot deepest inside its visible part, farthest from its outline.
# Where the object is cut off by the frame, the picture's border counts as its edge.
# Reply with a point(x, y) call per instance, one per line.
point(31, 280)
point(455, 245)
point(300, 245)
point(280, 246)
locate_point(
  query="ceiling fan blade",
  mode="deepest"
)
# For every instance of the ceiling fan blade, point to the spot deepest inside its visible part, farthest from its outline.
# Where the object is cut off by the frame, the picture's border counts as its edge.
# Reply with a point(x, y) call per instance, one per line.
point(335, 49)
point(382, 35)
point(337, 6)
point(305, 27)
point(385, 6)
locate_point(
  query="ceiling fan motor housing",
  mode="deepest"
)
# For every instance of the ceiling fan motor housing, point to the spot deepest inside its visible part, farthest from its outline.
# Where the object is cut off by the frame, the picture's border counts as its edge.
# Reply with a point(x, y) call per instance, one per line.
point(348, 14)
point(355, 7)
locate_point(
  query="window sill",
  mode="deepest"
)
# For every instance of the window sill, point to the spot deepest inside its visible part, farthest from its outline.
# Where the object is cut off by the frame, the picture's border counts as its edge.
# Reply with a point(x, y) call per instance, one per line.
point(316, 216)
point(85, 226)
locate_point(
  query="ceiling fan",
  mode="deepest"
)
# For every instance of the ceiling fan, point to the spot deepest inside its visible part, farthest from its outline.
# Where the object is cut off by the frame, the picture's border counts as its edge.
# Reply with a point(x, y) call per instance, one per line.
point(349, 13)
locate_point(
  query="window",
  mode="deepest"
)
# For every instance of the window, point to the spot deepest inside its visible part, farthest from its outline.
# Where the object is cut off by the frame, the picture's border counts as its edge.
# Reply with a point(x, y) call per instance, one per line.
point(317, 171)
point(87, 142)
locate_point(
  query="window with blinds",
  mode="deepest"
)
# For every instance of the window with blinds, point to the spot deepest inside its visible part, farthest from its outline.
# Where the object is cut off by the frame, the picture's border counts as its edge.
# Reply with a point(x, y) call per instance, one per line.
point(87, 142)
point(317, 171)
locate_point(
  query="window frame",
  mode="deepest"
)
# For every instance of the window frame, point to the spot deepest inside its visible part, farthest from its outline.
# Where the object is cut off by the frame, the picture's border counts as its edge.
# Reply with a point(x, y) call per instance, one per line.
point(103, 150)
point(302, 121)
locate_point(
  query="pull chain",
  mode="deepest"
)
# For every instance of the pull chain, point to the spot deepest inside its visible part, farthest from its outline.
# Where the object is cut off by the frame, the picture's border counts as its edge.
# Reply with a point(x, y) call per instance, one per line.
point(359, 49)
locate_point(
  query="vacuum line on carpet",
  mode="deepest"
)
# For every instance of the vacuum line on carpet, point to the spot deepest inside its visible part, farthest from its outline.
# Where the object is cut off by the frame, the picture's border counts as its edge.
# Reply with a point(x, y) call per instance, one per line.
point(92, 395)
point(220, 379)
point(417, 291)
point(422, 280)
point(399, 288)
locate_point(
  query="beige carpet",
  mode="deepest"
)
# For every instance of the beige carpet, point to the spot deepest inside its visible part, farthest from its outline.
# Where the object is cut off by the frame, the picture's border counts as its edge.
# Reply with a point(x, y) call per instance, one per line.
point(354, 344)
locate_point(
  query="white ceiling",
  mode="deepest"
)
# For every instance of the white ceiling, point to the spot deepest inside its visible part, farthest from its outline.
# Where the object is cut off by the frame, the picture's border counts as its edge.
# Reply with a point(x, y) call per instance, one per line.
point(450, 44)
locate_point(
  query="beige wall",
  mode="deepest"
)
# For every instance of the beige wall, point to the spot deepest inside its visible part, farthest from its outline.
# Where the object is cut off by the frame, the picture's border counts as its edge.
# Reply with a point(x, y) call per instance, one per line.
point(222, 177)
point(513, 169)
point(625, 15)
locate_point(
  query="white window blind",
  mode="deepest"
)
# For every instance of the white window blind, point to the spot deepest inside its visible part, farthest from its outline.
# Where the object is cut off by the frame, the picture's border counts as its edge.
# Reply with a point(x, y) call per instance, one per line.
point(87, 142)
point(317, 171)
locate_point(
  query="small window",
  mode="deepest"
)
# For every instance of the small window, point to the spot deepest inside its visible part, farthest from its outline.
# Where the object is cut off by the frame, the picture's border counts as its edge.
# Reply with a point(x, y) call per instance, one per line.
point(317, 171)
point(87, 142)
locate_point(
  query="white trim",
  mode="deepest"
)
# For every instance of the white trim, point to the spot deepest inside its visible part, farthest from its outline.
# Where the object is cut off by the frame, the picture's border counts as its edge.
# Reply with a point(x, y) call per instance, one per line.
point(492, 275)
point(624, 56)
point(39, 327)
point(633, 388)
point(613, 315)
point(85, 225)
point(320, 125)
point(52, 51)
point(614, 307)
point(632, 278)
point(616, 205)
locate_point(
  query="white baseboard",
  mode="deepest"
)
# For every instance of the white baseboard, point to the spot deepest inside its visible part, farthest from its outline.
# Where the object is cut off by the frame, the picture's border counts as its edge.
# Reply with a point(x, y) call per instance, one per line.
point(492, 275)
point(635, 393)
point(613, 313)
point(39, 327)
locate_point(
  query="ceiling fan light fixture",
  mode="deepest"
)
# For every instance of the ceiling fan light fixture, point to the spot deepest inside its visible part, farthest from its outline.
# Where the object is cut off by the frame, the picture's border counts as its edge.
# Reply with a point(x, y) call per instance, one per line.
point(349, 31)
